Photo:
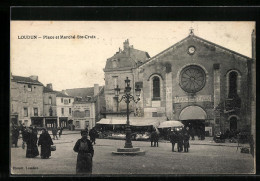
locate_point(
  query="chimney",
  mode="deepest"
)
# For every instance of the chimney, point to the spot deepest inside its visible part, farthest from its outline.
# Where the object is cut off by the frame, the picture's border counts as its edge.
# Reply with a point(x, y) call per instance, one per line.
point(96, 89)
point(126, 44)
point(34, 77)
point(64, 92)
point(49, 86)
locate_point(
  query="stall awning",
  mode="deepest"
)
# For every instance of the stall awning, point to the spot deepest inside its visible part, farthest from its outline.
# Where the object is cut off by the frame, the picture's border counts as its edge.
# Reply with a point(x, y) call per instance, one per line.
point(193, 112)
point(134, 121)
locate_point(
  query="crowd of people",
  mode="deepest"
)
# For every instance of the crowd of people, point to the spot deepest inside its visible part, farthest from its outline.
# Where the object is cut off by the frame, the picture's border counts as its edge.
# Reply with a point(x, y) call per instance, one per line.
point(31, 141)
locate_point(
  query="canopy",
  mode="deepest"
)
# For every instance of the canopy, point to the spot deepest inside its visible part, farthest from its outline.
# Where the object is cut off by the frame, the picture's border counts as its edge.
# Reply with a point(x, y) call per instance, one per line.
point(134, 121)
point(170, 124)
point(193, 112)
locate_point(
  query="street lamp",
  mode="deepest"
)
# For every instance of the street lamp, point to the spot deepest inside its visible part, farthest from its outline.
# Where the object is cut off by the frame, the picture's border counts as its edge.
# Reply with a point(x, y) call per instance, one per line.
point(127, 97)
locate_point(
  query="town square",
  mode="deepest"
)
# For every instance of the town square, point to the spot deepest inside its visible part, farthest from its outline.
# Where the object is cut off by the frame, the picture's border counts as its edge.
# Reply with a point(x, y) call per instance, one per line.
point(123, 102)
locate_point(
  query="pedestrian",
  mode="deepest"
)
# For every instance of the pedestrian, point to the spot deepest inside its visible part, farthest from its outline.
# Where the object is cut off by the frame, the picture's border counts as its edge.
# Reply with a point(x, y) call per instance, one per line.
point(15, 136)
point(154, 138)
point(31, 141)
point(180, 141)
point(173, 139)
point(85, 152)
point(24, 135)
point(192, 133)
point(54, 133)
point(45, 142)
point(186, 144)
point(93, 134)
point(60, 132)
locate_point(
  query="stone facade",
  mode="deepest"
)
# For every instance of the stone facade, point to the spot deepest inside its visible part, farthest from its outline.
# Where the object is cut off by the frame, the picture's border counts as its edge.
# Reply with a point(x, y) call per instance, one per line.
point(26, 99)
point(64, 109)
point(83, 114)
point(197, 80)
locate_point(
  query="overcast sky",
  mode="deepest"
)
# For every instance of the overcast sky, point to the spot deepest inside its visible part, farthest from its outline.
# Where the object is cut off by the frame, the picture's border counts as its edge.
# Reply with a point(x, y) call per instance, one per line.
point(75, 63)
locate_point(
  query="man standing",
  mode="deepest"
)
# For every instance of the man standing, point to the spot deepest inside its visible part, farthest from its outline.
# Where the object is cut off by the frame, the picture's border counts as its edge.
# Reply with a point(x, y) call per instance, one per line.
point(93, 135)
point(15, 136)
point(173, 139)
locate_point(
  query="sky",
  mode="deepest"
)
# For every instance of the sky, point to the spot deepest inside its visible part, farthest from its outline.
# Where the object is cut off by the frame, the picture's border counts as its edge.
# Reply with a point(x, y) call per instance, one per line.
point(79, 63)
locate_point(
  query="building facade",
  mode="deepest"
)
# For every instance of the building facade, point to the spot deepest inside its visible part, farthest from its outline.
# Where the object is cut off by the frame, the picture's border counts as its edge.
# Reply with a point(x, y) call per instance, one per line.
point(64, 108)
point(195, 81)
point(87, 106)
point(50, 108)
point(26, 100)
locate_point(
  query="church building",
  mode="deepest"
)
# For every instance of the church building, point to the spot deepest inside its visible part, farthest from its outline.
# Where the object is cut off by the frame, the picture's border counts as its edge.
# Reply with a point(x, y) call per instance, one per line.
point(194, 81)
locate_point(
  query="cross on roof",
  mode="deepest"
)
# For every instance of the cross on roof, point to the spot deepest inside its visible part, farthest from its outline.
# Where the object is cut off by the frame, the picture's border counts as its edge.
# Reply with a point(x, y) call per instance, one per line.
point(191, 31)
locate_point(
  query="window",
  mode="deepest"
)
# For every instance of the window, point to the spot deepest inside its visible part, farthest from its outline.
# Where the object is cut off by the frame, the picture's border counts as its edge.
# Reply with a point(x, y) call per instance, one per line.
point(77, 124)
point(232, 85)
point(26, 122)
point(62, 111)
point(50, 100)
point(156, 88)
point(61, 100)
point(115, 79)
point(70, 111)
point(87, 113)
point(29, 88)
point(69, 100)
point(25, 112)
point(155, 114)
point(12, 108)
point(86, 124)
point(35, 111)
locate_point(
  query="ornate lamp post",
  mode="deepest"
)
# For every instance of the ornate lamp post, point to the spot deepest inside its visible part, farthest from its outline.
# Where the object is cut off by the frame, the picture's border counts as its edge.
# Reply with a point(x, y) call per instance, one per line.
point(127, 97)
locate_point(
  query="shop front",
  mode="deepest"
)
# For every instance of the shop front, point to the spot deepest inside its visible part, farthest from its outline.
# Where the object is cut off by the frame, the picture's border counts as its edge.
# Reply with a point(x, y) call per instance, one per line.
point(37, 121)
point(14, 119)
point(51, 122)
point(63, 122)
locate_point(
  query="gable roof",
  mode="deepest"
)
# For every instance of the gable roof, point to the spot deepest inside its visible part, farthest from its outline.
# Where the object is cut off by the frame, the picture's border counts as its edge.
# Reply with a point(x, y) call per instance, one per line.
point(26, 80)
point(192, 36)
point(85, 93)
point(58, 93)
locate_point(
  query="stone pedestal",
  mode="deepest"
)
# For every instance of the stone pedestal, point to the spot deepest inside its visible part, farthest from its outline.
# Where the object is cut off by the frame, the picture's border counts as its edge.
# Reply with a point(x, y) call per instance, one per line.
point(129, 151)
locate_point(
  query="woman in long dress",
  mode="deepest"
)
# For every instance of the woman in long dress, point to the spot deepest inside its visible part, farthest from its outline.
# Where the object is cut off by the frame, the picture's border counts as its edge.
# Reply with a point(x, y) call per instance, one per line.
point(85, 152)
point(31, 142)
point(45, 141)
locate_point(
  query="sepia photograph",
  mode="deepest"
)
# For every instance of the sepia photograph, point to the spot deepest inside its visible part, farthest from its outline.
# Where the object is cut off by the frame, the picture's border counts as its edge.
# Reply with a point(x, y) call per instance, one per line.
point(91, 98)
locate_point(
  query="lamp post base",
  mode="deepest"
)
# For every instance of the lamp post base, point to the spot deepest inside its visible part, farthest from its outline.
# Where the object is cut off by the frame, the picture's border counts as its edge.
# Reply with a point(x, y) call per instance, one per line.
point(128, 142)
point(129, 151)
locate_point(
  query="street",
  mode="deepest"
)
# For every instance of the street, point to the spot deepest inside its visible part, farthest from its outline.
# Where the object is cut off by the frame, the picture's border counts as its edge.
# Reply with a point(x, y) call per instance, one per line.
point(204, 157)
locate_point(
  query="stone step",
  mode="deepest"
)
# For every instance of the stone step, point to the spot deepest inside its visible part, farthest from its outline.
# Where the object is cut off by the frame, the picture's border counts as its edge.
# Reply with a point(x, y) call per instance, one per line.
point(134, 149)
point(129, 153)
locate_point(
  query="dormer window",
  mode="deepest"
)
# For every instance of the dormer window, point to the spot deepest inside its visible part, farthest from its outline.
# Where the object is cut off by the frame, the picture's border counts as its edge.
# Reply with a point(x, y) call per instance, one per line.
point(29, 88)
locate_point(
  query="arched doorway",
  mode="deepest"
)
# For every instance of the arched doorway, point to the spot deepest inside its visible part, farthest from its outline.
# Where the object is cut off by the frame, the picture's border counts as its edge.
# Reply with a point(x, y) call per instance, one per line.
point(233, 123)
point(194, 117)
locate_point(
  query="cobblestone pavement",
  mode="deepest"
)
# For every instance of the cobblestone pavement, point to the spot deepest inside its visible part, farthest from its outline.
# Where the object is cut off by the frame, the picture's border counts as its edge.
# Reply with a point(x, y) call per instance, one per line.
point(204, 157)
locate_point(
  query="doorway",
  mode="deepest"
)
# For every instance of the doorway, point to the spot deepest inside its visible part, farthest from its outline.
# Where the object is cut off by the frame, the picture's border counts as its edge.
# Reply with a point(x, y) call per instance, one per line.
point(233, 124)
point(196, 127)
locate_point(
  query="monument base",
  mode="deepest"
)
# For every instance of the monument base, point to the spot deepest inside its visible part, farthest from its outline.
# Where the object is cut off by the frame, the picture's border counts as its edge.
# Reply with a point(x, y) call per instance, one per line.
point(129, 151)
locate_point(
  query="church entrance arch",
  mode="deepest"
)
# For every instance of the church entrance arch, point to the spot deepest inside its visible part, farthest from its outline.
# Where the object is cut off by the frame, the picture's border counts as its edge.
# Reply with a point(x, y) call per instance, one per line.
point(194, 117)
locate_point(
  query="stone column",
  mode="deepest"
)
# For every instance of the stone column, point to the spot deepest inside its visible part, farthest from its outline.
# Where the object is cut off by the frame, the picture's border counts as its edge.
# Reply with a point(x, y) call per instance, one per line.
point(217, 96)
point(169, 101)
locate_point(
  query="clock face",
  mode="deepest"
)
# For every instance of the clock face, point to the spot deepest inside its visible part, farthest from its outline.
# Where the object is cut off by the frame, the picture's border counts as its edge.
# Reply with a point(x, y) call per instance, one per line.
point(191, 50)
point(192, 79)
